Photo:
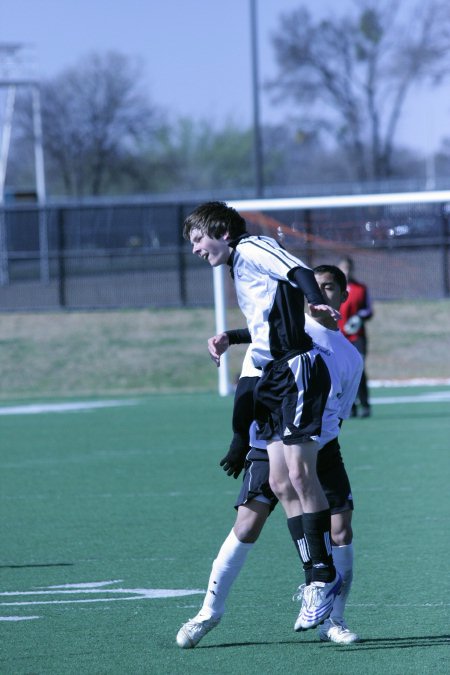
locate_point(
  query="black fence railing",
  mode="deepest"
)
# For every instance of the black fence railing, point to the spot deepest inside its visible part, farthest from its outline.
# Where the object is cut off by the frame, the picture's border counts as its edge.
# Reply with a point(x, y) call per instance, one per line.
point(84, 256)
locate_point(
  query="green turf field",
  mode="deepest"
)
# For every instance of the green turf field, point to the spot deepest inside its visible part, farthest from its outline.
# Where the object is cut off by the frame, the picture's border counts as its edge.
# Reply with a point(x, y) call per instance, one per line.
point(111, 517)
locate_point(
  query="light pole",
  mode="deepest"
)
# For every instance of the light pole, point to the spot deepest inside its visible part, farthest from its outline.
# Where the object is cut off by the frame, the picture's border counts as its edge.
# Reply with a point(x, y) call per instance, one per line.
point(17, 70)
point(258, 159)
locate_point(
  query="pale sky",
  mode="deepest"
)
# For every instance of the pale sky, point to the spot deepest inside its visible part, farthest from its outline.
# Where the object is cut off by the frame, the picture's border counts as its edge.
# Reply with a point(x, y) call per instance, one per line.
point(196, 53)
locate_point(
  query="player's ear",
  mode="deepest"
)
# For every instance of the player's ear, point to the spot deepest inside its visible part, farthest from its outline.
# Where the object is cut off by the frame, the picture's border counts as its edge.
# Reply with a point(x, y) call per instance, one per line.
point(344, 296)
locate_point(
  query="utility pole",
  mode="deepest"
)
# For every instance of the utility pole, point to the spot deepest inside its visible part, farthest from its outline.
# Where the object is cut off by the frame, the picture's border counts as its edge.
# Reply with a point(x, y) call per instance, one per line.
point(17, 70)
point(258, 159)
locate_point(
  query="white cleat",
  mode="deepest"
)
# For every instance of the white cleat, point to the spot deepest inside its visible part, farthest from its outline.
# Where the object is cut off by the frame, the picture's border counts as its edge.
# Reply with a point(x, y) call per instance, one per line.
point(194, 630)
point(336, 630)
point(317, 603)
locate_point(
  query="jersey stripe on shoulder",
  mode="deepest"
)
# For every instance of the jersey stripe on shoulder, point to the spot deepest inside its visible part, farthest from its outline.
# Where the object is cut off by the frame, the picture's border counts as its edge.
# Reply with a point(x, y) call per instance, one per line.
point(280, 253)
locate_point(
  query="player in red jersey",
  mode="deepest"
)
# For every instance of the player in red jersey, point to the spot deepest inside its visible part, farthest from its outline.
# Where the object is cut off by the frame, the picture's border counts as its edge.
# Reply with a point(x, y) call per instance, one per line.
point(355, 311)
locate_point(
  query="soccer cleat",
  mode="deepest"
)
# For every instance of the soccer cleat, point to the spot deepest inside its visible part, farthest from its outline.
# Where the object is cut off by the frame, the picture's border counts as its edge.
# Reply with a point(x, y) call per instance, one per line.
point(318, 599)
point(336, 630)
point(194, 630)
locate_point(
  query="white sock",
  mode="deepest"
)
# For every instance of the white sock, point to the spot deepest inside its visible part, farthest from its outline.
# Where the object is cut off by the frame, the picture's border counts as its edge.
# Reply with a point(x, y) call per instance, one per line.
point(225, 569)
point(343, 561)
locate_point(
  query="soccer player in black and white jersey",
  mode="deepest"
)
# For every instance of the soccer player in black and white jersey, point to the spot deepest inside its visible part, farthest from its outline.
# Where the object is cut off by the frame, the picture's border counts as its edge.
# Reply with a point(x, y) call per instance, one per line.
point(256, 500)
point(271, 286)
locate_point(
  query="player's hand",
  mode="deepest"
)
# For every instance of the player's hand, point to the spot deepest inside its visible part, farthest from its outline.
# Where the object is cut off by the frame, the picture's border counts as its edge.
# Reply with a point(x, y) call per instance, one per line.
point(218, 345)
point(234, 461)
point(318, 311)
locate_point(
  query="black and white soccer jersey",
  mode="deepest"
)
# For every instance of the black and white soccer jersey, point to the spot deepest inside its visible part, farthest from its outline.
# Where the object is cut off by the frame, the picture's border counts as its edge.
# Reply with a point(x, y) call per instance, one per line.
point(344, 364)
point(343, 360)
point(269, 297)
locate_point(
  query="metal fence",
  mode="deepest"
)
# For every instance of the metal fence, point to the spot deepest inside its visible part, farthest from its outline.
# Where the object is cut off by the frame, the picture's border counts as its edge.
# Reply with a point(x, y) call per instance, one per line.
point(131, 254)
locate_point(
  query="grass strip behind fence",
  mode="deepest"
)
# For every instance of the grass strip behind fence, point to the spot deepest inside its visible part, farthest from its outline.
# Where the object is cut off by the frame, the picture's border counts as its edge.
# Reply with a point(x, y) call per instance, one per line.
point(146, 351)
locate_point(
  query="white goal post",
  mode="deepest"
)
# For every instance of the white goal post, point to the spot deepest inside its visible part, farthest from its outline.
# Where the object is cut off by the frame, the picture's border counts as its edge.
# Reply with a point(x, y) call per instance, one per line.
point(325, 202)
point(221, 325)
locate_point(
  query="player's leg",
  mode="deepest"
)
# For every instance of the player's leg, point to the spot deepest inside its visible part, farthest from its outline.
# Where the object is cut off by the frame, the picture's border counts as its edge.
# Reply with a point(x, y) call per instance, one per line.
point(336, 485)
point(280, 481)
point(313, 539)
point(363, 389)
point(253, 508)
point(230, 559)
point(363, 395)
point(308, 384)
point(250, 520)
point(335, 628)
point(341, 528)
point(342, 538)
point(295, 392)
point(301, 461)
point(284, 490)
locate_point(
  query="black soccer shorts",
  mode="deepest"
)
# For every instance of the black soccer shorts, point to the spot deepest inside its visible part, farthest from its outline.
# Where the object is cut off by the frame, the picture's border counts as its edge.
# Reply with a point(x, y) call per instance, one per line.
point(290, 400)
point(330, 470)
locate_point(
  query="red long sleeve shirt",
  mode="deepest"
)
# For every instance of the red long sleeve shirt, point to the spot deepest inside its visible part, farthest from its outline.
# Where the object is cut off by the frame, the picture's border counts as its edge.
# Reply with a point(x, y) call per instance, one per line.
point(358, 302)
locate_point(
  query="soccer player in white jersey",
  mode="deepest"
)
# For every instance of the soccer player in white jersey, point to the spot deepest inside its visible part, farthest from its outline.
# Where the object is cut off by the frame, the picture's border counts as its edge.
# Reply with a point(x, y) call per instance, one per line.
point(256, 500)
point(271, 286)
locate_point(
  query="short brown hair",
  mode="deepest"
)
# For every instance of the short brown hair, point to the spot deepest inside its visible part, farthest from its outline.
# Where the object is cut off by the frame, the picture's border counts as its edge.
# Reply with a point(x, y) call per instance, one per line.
point(215, 219)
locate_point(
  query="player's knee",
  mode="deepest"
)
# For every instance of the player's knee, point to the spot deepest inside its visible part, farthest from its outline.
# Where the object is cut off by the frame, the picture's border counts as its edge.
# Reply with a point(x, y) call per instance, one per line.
point(280, 487)
point(246, 535)
point(250, 521)
point(248, 531)
point(299, 479)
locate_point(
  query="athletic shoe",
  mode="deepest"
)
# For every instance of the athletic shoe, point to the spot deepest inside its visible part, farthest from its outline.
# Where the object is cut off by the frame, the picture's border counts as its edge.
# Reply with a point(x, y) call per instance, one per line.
point(194, 630)
point(318, 599)
point(336, 630)
point(365, 411)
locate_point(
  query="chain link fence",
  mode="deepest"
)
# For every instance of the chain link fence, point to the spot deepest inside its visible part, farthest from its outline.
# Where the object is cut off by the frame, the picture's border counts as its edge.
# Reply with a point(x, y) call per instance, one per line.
point(131, 254)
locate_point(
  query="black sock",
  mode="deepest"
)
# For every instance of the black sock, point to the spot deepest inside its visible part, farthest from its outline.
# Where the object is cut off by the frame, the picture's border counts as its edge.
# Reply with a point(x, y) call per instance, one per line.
point(316, 527)
point(295, 526)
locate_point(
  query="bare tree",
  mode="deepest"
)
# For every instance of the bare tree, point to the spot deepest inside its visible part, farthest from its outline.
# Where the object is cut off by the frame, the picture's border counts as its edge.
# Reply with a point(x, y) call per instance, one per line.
point(351, 76)
point(95, 117)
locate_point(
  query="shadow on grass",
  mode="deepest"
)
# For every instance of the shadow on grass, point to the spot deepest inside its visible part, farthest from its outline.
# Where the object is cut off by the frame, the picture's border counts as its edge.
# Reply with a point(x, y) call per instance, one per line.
point(25, 566)
point(410, 642)
point(225, 645)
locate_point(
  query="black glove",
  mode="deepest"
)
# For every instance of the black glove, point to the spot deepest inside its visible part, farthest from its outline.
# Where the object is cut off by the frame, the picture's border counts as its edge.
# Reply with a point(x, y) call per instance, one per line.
point(234, 460)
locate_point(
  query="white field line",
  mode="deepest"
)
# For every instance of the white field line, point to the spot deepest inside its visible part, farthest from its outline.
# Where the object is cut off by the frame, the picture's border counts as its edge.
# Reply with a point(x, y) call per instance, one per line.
point(414, 382)
point(90, 589)
point(81, 406)
point(18, 618)
point(432, 397)
point(390, 605)
point(76, 406)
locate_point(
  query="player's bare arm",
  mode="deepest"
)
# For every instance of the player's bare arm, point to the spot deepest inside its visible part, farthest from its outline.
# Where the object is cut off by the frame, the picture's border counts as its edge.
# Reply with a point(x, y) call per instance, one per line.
point(218, 345)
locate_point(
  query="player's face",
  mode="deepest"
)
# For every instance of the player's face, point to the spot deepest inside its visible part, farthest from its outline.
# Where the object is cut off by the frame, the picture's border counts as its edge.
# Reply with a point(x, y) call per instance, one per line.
point(331, 291)
point(214, 251)
point(345, 267)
